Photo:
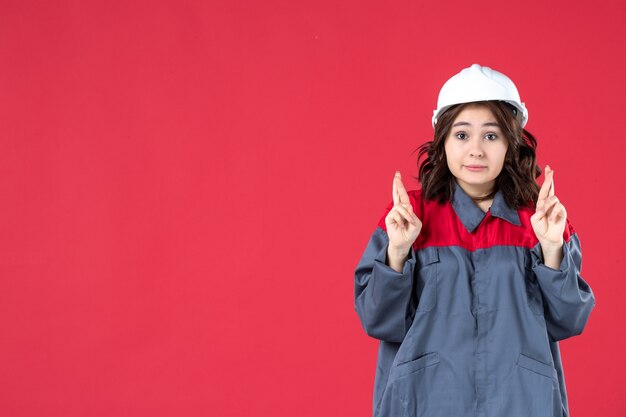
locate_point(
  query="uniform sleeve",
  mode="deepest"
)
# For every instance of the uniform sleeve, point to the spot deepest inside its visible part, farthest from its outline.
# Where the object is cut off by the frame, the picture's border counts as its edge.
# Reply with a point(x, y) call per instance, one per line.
point(383, 297)
point(568, 299)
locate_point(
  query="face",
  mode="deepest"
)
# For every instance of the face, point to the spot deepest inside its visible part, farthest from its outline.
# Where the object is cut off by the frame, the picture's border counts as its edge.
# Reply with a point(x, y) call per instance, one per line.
point(475, 150)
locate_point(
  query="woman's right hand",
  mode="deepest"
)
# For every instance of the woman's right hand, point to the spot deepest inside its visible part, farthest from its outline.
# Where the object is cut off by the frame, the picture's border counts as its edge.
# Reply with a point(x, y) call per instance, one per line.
point(403, 226)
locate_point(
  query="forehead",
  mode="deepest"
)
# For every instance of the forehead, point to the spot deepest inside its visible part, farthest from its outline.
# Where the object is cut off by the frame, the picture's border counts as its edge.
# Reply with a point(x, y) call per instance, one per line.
point(475, 114)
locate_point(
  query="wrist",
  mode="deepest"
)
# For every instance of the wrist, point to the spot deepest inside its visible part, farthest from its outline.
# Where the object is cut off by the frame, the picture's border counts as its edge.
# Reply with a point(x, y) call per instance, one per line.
point(398, 253)
point(552, 256)
point(551, 249)
point(396, 257)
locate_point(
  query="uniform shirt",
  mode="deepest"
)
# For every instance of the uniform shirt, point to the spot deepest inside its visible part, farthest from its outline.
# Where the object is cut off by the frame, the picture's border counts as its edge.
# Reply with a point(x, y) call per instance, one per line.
point(471, 325)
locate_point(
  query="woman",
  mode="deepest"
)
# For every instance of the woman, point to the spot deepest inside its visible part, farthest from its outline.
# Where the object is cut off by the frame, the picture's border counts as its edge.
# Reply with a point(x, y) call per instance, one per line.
point(470, 282)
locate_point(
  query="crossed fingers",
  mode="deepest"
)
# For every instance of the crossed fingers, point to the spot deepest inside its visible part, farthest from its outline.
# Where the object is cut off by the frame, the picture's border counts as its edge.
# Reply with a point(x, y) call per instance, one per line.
point(547, 188)
point(547, 202)
point(401, 200)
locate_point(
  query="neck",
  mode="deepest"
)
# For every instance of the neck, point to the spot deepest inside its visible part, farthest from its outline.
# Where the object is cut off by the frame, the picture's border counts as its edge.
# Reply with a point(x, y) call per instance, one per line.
point(477, 192)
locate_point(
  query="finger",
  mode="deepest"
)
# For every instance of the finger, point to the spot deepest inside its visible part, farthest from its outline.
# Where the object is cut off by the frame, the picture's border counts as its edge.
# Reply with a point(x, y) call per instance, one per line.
point(395, 197)
point(558, 212)
point(406, 214)
point(402, 194)
point(551, 173)
point(540, 204)
point(546, 207)
point(549, 205)
point(552, 200)
point(391, 216)
point(545, 187)
point(394, 217)
point(405, 234)
point(409, 208)
point(399, 222)
point(537, 216)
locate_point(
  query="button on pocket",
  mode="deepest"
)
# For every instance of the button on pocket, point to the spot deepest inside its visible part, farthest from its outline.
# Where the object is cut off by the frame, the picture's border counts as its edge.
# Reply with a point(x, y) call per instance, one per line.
point(426, 278)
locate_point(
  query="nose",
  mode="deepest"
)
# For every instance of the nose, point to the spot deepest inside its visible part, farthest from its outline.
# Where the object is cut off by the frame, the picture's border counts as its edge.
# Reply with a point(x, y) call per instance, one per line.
point(476, 149)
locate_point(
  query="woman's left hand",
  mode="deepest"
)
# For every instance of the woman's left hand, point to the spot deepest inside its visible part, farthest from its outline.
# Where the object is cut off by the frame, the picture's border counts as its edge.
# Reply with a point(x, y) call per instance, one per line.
point(550, 216)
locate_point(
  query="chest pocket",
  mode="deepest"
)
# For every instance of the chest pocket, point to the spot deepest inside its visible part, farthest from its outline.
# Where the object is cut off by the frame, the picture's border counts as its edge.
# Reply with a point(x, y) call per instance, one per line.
point(426, 278)
point(533, 291)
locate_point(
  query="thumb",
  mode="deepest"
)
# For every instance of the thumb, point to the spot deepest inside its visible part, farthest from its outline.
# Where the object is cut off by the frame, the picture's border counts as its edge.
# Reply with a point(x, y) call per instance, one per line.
point(539, 214)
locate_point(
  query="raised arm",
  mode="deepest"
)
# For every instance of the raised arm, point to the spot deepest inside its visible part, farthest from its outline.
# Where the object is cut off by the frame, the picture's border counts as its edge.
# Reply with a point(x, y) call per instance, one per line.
point(384, 274)
point(557, 262)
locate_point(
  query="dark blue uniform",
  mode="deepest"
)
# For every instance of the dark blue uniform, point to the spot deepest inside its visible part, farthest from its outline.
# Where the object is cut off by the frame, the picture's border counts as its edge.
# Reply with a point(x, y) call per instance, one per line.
point(471, 326)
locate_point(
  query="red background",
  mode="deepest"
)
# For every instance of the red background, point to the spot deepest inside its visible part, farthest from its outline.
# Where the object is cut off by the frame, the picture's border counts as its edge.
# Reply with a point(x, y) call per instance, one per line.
point(186, 188)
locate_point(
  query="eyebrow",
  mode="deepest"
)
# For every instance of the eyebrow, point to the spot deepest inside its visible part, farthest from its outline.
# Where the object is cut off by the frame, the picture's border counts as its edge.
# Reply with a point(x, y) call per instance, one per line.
point(495, 124)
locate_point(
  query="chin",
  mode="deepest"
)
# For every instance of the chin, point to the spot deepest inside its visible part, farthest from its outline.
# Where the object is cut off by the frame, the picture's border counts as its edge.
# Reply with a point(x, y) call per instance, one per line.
point(478, 182)
point(476, 179)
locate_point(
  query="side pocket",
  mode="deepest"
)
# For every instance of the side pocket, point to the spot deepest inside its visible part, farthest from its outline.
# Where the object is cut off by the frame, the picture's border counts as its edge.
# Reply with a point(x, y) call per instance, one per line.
point(415, 388)
point(529, 390)
point(536, 366)
point(426, 278)
point(533, 291)
point(417, 364)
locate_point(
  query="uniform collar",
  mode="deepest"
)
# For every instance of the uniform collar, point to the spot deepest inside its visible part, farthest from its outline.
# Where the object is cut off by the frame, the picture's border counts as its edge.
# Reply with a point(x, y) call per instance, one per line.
point(471, 215)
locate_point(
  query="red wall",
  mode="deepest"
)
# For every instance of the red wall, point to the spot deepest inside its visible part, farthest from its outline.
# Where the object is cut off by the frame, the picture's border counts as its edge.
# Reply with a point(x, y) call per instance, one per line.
point(186, 188)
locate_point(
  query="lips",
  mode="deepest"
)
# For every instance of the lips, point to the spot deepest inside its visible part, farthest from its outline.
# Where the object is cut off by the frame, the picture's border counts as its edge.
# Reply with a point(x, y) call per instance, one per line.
point(475, 168)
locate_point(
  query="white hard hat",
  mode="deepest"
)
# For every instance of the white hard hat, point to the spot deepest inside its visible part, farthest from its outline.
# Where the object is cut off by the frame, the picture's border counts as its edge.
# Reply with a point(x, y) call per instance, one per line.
point(478, 83)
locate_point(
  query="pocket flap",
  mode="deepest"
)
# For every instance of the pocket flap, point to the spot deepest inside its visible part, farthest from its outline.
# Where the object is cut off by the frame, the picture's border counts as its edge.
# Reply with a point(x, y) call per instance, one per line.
point(428, 256)
point(421, 362)
point(536, 366)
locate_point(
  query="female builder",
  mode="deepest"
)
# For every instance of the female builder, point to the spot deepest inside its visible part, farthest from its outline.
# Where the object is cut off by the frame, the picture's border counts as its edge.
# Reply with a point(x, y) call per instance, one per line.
point(470, 282)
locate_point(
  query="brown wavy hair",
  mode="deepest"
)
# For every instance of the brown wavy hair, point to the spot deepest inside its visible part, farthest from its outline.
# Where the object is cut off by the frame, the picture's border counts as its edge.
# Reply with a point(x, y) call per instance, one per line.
point(520, 169)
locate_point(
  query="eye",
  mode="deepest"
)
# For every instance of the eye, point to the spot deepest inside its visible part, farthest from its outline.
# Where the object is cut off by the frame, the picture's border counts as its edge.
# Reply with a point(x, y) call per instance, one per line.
point(491, 136)
point(461, 135)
